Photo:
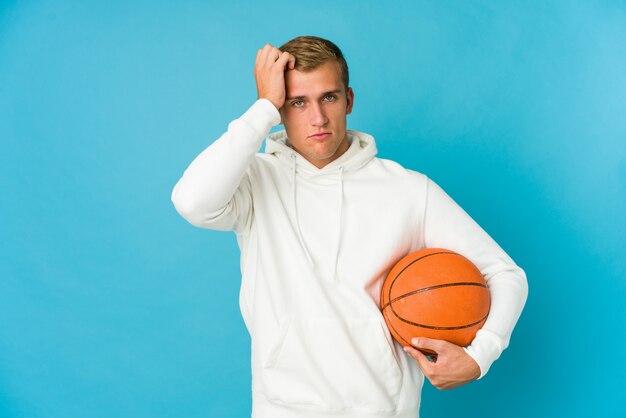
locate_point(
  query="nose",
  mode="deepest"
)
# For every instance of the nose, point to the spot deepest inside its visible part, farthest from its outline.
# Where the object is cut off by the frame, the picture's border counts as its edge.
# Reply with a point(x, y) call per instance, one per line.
point(317, 115)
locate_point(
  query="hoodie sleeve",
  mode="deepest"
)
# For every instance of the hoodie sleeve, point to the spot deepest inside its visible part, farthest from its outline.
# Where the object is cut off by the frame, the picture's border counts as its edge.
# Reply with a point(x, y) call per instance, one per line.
point(447, 225)
point(214, 191)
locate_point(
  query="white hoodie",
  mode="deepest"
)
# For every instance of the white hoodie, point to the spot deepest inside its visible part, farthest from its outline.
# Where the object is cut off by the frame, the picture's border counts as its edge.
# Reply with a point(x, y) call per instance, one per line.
point(316, 245)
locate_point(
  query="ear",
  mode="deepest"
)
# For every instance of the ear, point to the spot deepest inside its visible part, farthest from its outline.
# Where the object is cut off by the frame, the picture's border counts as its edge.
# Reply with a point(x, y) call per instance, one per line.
point(349, 100)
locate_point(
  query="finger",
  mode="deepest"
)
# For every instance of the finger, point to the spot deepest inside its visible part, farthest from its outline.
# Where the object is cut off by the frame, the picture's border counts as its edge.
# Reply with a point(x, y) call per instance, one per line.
point(283, 60)
point(421, 359)
point(273, 55)
point(264, 55)
point(292, 61)
point(257, 60)
point(429, 345)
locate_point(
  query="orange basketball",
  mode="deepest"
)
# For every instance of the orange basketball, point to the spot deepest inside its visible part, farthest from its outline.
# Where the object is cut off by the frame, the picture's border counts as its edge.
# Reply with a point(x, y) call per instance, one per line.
point(435, 293)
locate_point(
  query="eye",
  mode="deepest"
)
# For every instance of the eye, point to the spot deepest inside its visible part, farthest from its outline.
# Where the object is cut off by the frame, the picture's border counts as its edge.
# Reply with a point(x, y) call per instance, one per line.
point(331, 97)
point(294, 103)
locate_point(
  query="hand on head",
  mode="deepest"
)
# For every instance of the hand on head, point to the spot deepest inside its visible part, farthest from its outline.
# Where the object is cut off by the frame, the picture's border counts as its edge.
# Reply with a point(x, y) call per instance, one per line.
point(269, 72)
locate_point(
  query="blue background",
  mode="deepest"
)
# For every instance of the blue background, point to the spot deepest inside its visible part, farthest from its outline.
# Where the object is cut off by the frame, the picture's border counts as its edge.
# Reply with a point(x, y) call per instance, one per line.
point(111, 305)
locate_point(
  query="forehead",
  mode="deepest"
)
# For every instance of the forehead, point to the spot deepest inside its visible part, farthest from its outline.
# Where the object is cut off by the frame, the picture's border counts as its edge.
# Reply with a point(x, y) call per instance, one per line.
point(324, 78)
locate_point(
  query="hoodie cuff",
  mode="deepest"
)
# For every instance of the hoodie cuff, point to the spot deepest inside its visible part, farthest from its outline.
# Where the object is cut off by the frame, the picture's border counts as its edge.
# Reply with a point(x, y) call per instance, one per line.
point(262, 116)
point(485, 349)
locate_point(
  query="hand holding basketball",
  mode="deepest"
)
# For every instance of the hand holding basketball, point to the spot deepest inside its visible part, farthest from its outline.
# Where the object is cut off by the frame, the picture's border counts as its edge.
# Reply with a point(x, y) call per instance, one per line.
point(453, 367)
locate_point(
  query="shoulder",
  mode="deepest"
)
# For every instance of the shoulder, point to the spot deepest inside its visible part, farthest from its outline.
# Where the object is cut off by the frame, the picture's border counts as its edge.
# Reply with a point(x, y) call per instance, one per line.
point(266, 166)
point(395, 169)
point(389, 176)
point(265, 161)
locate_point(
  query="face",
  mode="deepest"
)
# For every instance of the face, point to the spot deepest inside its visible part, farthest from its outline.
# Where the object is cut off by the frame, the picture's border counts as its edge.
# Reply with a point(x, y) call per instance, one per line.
point(317, 102)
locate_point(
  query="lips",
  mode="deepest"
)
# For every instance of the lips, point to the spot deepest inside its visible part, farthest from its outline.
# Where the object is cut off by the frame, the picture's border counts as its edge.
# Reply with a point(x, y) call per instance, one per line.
point(320, 135)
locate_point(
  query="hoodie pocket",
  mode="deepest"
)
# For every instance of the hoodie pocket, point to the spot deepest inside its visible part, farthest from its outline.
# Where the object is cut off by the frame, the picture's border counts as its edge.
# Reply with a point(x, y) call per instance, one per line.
point(332, 364)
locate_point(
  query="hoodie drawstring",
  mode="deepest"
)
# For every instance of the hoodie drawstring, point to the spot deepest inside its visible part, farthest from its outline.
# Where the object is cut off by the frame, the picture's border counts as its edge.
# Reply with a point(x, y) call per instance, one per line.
point(340, 221)
point(295, 209)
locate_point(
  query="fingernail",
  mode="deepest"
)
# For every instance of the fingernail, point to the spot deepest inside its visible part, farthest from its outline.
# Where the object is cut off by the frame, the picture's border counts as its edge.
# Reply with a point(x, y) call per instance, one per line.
point(406, 349)
point(415, 341)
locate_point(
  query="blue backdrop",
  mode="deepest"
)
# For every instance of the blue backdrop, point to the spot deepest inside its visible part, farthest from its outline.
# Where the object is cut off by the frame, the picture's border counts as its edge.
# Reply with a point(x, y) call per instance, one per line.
point(111, 305)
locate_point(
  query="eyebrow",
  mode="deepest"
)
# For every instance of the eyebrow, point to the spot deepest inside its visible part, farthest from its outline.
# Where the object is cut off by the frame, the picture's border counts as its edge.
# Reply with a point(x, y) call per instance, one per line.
point(322, 95)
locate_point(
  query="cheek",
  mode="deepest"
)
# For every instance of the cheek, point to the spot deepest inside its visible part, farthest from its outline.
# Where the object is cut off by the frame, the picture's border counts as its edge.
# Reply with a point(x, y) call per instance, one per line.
point(339, 117)
point(297, 120)
point(295, 125)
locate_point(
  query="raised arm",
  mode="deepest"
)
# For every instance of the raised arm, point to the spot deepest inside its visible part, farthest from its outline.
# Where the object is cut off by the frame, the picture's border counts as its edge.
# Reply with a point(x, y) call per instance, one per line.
point(214, 190)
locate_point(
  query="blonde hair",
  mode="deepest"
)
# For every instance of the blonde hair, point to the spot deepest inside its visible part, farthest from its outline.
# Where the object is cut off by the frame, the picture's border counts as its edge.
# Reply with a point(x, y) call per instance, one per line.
point(312, 51)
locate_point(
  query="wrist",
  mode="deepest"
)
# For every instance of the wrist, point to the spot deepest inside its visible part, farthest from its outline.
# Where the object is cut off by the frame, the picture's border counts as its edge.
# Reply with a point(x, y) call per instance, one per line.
point(262, 116)
point(276, 104)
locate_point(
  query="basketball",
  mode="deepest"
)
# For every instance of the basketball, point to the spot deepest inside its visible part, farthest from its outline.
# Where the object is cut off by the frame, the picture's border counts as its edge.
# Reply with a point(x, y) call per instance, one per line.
point(435, 293)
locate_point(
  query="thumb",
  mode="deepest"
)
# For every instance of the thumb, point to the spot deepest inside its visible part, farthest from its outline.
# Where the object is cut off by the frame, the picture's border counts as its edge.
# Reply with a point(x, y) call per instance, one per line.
point(427, 345)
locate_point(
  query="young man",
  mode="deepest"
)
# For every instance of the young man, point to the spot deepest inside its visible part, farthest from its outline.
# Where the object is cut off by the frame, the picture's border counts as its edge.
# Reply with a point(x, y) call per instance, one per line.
point(320, 221)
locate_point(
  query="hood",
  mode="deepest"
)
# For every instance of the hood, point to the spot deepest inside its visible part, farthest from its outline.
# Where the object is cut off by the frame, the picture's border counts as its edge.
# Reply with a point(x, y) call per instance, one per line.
point(362, 150)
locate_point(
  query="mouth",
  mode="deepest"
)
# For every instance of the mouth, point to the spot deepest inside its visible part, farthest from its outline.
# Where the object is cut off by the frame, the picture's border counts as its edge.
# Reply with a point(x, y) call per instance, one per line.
point(321, 135)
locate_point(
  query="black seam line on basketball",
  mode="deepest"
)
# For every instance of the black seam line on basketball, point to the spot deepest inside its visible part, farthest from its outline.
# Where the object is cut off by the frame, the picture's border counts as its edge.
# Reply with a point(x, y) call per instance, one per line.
point(389, 323)
point(426, 289)
point(418, 259)
point(409, 265)
point(441, 328)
